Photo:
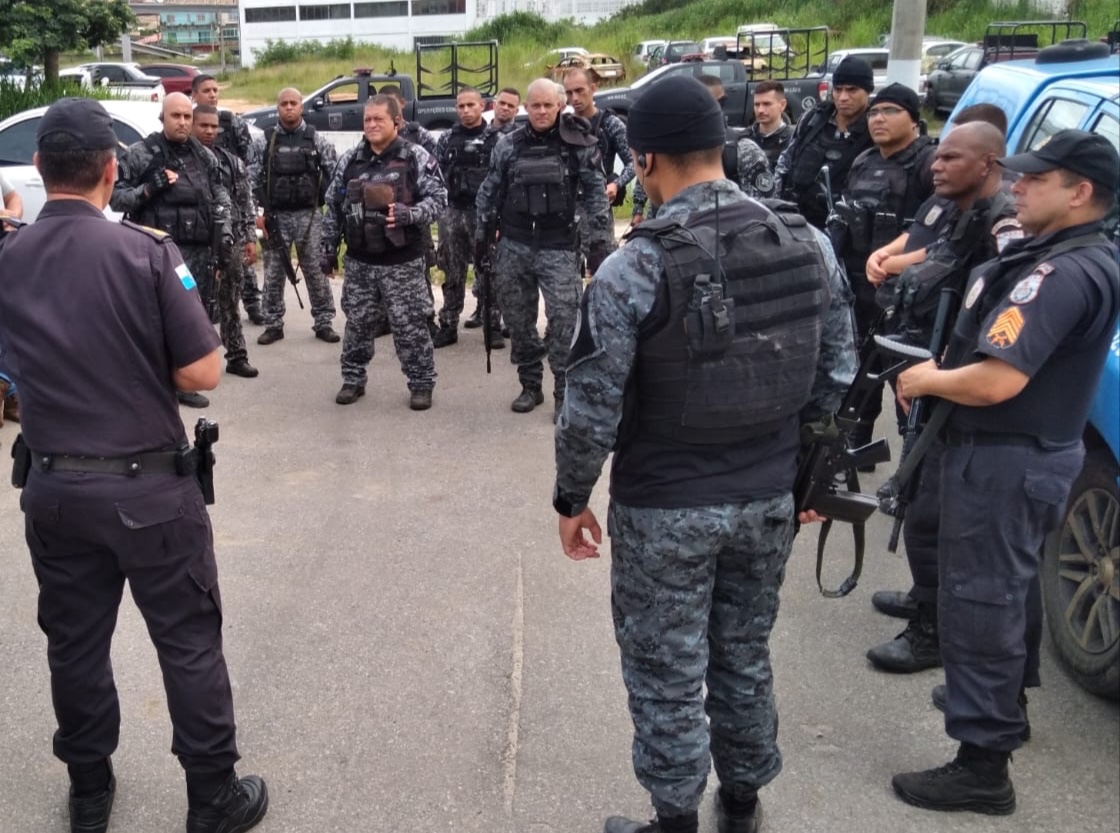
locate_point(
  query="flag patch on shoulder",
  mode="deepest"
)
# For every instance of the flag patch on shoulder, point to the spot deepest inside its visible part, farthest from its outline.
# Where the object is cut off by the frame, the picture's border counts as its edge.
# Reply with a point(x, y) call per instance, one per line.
point(185, 276)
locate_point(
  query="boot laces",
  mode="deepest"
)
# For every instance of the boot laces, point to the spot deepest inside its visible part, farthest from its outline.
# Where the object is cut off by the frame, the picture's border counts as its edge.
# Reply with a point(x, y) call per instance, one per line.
point(951, 768)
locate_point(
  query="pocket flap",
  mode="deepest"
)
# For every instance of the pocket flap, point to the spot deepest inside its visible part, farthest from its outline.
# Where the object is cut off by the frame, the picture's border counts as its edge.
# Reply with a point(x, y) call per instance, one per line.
point(149, 510)
point(992, 590)
point(39, 507)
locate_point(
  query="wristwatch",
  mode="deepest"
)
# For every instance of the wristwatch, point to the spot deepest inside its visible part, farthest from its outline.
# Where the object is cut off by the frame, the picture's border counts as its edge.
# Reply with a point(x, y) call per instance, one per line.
point(565, 505)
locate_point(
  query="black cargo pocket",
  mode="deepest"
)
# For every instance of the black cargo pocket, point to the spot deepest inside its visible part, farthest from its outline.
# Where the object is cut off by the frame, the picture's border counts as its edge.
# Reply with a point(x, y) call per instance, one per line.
point(142, 544)
point(41, 512)
point(1049, 493)
point(980, 614)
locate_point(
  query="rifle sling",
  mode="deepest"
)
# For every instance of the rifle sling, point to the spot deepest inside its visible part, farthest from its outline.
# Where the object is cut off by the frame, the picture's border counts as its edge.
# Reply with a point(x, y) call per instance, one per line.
point(859, 538)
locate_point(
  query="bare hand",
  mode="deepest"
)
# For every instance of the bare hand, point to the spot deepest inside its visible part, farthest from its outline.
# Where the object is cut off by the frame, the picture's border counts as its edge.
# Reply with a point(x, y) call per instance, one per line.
point(914, 382)
point(636, 220)
point(250, 254)
point(575, 544)
point(876, 274)
point(809, 516)
point(612, 191)
point(172, 176)
point(261, 227)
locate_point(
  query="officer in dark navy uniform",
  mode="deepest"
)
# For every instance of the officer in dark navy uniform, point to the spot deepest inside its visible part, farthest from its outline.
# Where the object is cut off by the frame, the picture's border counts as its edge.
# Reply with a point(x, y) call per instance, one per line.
point(101, 323)
point(697, 372)
point(1022, 369)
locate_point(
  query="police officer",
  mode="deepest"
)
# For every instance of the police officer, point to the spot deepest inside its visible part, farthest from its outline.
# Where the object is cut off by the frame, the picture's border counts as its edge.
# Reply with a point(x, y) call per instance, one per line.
point(292, 165)
point(831, 135)
point(1022, 368)
point(382, 193)
point(769, 130)
point(101, 323)
point(542, 177)
point(506, 105)
point(966, 222)
point(169, 181)
point(744, 163)
point(234, 136)
point(705, 441)
point(580, 85)
point(235, 179)
point(463, 156)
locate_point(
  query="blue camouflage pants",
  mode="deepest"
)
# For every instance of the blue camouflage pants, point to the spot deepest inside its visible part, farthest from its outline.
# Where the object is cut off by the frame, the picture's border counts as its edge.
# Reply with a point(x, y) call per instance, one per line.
point(304, 230)
point(998, 502)
point(694, 594)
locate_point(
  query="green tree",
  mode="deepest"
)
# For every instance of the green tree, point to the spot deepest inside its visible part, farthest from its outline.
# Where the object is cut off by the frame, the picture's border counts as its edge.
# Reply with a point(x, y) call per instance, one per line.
point(38, 31)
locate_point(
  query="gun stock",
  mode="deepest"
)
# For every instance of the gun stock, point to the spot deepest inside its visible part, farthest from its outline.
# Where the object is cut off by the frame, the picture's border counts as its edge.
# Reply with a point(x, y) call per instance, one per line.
point(276, 242)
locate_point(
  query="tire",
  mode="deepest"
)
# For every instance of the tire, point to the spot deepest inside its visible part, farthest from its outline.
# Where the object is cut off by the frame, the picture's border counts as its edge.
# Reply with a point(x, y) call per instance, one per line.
point(1081, 578)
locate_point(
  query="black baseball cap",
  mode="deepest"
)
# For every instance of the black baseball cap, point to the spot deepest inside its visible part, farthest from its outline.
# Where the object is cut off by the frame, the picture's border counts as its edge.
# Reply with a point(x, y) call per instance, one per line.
point(1086, 154)
point(76, 124)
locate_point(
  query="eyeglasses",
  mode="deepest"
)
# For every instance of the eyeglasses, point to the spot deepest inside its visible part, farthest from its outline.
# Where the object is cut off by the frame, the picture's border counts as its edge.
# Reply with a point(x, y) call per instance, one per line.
point(887, 112)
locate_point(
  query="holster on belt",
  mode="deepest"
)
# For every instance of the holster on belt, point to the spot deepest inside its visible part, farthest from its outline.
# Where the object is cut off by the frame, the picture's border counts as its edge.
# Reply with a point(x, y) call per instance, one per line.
point(21, 462)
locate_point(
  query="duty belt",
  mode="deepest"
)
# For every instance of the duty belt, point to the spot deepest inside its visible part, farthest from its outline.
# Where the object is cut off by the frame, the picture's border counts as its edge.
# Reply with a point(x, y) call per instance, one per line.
point(964, 439)
point(151, 462)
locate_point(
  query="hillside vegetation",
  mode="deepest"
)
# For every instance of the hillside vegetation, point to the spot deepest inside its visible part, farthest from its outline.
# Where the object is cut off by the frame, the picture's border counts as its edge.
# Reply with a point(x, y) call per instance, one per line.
point(525, 38)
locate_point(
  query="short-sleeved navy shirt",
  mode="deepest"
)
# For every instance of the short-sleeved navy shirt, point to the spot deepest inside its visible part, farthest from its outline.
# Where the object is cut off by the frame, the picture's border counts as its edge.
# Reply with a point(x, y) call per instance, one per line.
point(94, 316)
point(1053, 321)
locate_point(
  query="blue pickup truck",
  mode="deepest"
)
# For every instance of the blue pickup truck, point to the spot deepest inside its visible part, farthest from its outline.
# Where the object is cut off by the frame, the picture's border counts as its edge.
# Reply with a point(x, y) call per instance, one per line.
point(1076, 84)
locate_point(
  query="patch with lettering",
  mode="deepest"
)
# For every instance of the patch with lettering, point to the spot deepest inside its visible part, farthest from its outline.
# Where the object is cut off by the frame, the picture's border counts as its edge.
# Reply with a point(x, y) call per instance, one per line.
point(1026, 290)
point(934, 212)
point(764, 182)
point(185, 276)
point(1005, 330)
point(1006, 230)
point(974, 293)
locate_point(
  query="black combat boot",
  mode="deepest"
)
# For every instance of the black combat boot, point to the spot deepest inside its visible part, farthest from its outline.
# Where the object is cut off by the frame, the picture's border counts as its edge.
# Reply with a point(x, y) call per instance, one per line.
point(271, 335)
point(975, 780)
point(528, 399)
point(349, 394)
point(940, 696)
point(896, 603)
point(738, 811)
point(671, 824)
point(420, 400)
point(236, 806)
point(475, 321)
point(326, 333)
point(445, 336)
point(92, 789)
point(242, 368)
point(192, 399)
point(495, 340)
point(255, 314)
point(915, 649)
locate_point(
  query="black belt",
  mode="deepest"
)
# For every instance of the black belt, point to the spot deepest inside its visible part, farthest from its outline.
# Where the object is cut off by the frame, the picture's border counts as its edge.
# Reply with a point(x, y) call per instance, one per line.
point(964, 439)
point(150, 462)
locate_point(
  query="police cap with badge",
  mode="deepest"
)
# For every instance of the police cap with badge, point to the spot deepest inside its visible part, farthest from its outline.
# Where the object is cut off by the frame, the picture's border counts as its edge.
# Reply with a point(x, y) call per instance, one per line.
point(76, 124)
point(1085, 154)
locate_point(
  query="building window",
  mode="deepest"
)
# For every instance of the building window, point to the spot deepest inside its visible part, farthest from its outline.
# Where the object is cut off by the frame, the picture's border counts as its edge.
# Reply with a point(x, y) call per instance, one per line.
point(334, 11)
point(395, 8)
point(270, 14)
point(426, 7)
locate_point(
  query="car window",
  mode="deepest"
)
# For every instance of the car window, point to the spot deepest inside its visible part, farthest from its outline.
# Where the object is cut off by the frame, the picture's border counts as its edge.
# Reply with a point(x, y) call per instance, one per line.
point(114, 74)
point(1109, 127)
point(125, 133)
point(972, 58)
point(17, 143)
point(1053, 116)
point(960, 60)
point(342, 94)
point(679, 69)
point(158, 72)
point(940, 50)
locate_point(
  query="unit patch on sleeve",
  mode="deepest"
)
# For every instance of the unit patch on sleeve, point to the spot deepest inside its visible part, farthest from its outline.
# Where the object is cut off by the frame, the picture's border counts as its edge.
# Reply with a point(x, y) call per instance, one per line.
point(184, 273)
point(1005, 330)
point(1026, 290)
point(974, 293)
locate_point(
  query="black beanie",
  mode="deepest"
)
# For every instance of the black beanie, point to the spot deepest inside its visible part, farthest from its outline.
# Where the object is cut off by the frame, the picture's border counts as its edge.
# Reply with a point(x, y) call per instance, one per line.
point(901, 95)
point(854, 72)
point(676, 116)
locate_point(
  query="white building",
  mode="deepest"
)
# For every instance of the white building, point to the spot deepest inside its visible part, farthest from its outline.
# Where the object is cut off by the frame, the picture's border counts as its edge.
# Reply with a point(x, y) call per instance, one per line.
point(397, 24)
point(581, 11)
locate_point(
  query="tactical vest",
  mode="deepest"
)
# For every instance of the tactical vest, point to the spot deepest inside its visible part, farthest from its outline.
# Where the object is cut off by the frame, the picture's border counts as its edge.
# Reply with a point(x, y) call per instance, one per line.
point(732, 353)
point(883, 195)
point(817, 146)
point(773, 144)
point(235, 186)
point(227, 136)
point(372, 185)
point(465, 165)
point(730, 155)
point(294, 173)
point(539, 204)
point(184, 210)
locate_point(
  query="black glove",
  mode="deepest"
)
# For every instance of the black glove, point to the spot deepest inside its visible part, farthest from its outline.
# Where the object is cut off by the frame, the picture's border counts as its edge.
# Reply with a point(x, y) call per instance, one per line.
point(403, 215)
point(158, 182)
point(328, 262)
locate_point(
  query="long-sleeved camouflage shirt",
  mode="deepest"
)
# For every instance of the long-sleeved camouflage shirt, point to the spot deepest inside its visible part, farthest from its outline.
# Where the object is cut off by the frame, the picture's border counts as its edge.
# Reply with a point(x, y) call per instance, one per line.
point(614, 306)
point(234, 136)
point(753, 174)
point(258, 168)
point(413, 131)
point(591, 201)
point(430, 189)
point(135, 168)
point(235, 178)
point(611, 132)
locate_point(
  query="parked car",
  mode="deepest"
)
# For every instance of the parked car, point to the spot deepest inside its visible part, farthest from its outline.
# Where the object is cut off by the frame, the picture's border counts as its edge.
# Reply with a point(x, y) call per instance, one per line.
point(609, 69)
point(672, 52)
point(555, 56)
point(937, 49)
point(946, 84)
point(768, 38)
point(124, 79)
point(642, 50)
point(132, 121)
point(1075, 84)
point(16, 74)
point(876, 56)
point(176, 78)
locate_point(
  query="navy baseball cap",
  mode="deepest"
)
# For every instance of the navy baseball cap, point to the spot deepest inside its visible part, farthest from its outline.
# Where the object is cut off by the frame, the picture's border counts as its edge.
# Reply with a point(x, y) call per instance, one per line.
point(1085, 154)
point(76, 124)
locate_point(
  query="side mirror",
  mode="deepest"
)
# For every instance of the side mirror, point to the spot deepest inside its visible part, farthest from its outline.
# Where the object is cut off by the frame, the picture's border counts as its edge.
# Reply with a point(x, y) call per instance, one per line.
point(942, 64)
point(319, 103)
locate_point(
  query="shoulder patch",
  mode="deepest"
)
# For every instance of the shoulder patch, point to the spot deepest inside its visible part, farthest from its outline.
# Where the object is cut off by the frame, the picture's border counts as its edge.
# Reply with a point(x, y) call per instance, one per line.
point(764, 182)
point(1005, 330)
point(1006, 230)
point(185, 276)
point(1026, 290)
point(154, 233)
point(974, 293)
point(935, 211)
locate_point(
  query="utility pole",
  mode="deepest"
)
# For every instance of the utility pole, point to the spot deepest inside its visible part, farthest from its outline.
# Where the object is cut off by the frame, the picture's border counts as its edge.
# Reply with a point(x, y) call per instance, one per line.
point(908, 23)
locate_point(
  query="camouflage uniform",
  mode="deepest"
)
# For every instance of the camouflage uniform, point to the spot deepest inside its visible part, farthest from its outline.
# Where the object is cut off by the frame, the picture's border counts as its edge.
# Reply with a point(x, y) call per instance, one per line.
point(234, 136)
point(302, 228)
point(754, 175)
point(523, 272)
point(129, 197)
point(694, 588)
point(235, 178)
point(413, 131)
point(772, 144)
point(372, 291)
point(456, 231)
point(596, 243)
point(493, 133)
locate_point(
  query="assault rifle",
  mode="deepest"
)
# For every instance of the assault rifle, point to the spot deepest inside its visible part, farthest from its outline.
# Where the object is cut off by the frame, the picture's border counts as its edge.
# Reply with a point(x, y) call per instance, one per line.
point(275, 241)
point(484, 273)
point(205, 435)
point(214, 268)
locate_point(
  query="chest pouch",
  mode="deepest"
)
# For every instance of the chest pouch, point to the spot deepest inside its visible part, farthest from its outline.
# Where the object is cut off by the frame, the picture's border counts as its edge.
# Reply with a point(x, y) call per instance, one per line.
point(709, 322)
point(542, 183)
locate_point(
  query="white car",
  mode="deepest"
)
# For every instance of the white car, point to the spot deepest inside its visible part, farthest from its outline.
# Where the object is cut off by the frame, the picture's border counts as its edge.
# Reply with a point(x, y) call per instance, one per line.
point(132, 121)
point(642, 50)
point(877, 57)
point(124, 79)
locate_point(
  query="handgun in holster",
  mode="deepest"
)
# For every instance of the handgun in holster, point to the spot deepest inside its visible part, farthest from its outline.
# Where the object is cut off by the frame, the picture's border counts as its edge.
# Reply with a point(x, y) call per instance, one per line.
point(21, 462)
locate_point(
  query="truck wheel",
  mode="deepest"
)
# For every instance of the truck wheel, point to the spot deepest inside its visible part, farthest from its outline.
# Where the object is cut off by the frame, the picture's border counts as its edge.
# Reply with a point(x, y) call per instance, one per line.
point(1081, 578)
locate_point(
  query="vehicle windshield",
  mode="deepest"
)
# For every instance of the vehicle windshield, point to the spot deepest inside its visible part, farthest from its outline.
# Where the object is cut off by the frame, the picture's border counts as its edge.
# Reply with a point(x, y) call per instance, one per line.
point(653, 75)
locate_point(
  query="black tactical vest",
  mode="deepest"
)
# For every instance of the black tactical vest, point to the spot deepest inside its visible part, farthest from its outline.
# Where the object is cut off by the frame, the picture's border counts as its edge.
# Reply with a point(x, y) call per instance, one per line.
point(294, 174)
point(372, 185)
point(184, 210)
point(697, 385)
point(819, 145)
point(730, 156)
point(465, 165)
point(538, 206)
point(227, 136)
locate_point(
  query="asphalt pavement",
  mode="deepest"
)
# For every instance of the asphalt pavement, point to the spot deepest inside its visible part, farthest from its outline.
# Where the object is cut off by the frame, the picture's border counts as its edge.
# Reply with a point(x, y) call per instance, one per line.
point(411, 651)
